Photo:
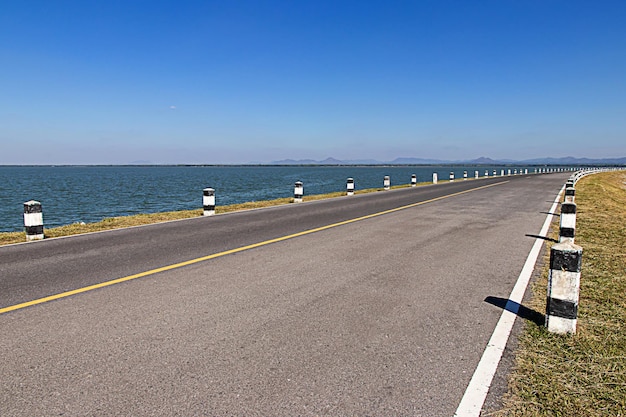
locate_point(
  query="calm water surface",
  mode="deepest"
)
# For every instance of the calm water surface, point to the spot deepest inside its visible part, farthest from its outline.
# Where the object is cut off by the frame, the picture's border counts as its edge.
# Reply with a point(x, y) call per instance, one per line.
point(70, 194)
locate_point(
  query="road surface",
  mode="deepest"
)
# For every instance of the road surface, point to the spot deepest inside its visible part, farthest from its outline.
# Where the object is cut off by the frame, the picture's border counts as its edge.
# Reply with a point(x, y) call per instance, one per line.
point(386, 315)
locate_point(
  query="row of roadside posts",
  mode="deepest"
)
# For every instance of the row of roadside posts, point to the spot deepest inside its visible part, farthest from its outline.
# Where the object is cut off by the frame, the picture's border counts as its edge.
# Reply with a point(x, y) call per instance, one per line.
point(565, 267)
point(33, 214)
point(298, 191)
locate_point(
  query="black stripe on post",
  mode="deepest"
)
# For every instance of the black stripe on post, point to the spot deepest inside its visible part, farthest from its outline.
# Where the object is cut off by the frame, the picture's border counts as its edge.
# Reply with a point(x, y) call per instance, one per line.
point(32, 208)
point(34, 230)
point(567, 232)
point(568, 208)
point(561, 308)
point(565, 260)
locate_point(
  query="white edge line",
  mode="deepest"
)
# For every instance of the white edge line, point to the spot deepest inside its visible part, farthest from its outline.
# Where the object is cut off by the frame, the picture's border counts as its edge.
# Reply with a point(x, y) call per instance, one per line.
point(472, 402)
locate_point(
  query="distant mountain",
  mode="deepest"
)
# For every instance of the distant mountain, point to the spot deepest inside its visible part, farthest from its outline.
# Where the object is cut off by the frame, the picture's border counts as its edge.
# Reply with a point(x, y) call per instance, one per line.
point(478, 161)
point(483, 161)
point(331, 161)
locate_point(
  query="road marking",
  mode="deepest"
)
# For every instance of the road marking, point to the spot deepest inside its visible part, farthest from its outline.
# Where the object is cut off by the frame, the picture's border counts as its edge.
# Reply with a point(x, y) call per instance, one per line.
point(472, 402)
point(228, 252)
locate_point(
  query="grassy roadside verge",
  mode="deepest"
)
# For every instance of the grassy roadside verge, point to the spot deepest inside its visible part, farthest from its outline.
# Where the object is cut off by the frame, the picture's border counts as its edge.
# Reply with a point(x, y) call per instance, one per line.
point(121, 222)
point(583, 374)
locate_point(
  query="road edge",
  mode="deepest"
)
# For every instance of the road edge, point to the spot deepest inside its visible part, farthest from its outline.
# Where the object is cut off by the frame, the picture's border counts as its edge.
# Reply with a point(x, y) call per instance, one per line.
point(474, 397)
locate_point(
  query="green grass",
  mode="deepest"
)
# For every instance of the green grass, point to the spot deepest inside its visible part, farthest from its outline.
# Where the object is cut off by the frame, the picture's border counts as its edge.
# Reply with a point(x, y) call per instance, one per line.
point(111, 223)
point(582, 374)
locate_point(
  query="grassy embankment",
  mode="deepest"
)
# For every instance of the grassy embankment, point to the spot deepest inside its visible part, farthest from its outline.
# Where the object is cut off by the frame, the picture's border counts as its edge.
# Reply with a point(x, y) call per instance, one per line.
point(583, 374)
point(110, 223)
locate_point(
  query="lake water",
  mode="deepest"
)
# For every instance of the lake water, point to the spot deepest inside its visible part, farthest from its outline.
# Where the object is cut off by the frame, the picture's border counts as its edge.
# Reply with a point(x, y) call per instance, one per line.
point(71, 194)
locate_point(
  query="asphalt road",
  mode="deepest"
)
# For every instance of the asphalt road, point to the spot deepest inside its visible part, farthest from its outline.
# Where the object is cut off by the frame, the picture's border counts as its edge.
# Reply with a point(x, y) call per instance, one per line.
point(383, 316)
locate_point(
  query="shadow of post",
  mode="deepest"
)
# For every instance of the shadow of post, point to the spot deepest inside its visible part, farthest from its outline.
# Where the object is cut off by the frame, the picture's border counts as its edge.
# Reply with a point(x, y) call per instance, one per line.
point(544, 238)
point(517, 309)
point(551, 214)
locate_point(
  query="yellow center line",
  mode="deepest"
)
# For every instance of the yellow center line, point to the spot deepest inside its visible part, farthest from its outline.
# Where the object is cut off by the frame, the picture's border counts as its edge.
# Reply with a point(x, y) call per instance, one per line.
point(228, 252)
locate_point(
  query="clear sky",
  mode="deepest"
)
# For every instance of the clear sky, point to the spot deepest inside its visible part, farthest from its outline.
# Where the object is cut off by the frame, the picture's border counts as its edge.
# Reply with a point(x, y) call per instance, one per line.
point(120, 81)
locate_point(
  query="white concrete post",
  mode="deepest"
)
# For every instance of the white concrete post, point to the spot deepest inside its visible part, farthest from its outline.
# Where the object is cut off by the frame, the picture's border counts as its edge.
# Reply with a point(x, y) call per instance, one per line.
point(487, 173)
point(563, 288)
point(570, 195)
point(33, 220)
point(413, 180)
point(298, 192)
point(502, 173)
point(509, 172)
point(475, 175)
point(452, 176)
point(208, 201)
point(525, 171)
point(434, 178)
point(386, 182)
point(350, 186)
point(464, 175)
point(567, 229)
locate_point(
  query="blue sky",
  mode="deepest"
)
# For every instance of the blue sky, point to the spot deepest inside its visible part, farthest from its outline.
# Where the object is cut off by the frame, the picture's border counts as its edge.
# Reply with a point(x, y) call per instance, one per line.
point(114, 82)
